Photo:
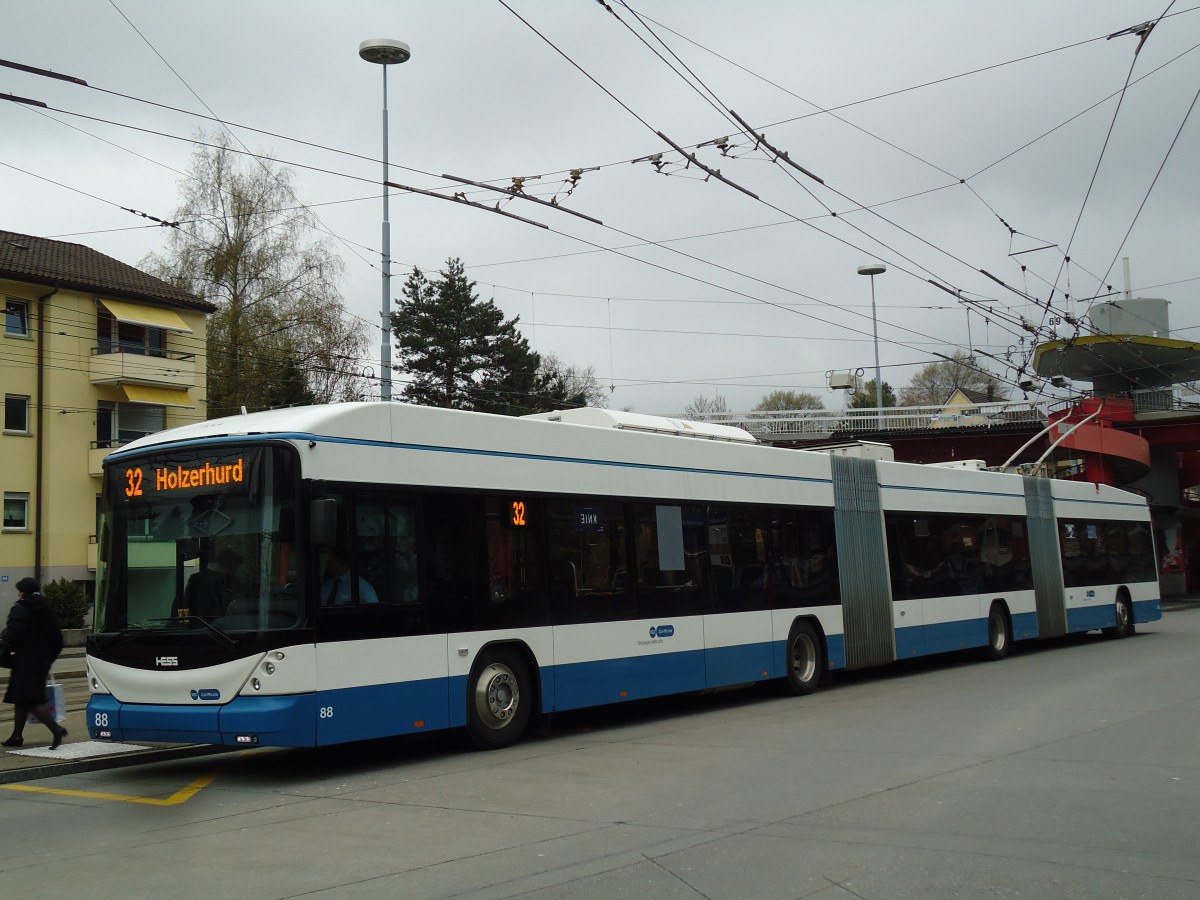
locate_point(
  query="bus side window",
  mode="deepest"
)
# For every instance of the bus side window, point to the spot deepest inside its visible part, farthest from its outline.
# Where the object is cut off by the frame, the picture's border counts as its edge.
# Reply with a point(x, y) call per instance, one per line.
point(671, 548)
point(451, 551)
point(588, 561)
point(515, 594)
point(385, 536)
point(743, 551)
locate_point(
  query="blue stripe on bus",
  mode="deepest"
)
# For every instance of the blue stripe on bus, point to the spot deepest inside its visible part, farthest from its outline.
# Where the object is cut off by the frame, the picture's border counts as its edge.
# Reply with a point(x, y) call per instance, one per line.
point(160, 722)
point(739, 665)
point(278, 721)
point(1088, 618)
point(910, 642)
point(945, 637)
point(381, 710)
point(958, 491)
point(293, 720)
point(836, 648)
point(633, 678)
point(285, 721)
point(109, 719)
point(1025, 625)
point(1147, 610)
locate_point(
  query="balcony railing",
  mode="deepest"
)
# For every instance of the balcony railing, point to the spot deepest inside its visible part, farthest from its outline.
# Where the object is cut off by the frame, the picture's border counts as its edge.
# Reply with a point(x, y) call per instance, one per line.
point(819, 423)
point(163, 368)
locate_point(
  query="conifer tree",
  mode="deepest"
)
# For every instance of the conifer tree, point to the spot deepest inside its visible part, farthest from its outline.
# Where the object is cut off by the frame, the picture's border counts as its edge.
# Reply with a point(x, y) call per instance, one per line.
point(459, 351)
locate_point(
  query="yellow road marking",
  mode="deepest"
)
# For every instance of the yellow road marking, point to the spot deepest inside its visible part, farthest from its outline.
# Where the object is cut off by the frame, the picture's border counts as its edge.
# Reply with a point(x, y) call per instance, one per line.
point(181, 796)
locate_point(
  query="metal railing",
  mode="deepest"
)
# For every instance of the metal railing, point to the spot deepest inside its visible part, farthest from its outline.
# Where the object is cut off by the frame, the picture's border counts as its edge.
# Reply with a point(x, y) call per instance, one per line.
point(823, 422)
point(111, 347)
point(1164, 400)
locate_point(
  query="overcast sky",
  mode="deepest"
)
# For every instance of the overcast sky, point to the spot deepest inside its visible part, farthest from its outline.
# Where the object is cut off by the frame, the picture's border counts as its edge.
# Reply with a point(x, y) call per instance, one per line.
point(712, 291)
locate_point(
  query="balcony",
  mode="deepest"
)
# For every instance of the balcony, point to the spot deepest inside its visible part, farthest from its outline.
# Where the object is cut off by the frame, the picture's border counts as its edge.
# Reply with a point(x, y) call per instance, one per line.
point(96, 457)
point(158, 368)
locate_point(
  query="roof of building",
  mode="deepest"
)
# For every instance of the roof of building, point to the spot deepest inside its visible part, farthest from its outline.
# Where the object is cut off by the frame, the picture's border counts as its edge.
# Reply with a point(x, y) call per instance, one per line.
point(58, 263)
point(973, 396)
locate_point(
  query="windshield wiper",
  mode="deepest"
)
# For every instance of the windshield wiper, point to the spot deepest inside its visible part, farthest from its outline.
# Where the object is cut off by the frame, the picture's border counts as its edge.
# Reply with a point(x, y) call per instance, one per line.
point(212, 629)
point(105, 641)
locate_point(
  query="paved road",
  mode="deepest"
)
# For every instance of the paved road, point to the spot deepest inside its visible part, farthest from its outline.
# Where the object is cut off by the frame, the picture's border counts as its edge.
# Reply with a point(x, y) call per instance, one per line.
point(1069, 770)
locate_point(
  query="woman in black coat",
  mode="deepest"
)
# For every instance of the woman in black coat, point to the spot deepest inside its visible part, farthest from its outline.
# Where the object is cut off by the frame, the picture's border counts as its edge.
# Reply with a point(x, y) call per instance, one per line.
point(35, 640)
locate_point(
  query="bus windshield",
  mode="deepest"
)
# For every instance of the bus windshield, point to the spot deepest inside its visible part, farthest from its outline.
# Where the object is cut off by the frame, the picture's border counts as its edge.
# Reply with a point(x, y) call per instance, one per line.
point(199, 537)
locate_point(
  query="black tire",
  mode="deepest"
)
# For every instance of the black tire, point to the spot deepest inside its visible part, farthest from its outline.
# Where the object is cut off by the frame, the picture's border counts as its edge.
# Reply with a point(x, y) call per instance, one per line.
point(805, 659)
point(1125, 626)
point(1000, 634)
point(500, 699)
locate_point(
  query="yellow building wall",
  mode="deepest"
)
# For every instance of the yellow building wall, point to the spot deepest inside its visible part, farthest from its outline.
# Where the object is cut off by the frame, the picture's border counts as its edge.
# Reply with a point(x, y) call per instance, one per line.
point(951, 415)
point(18, 452)
point(69, 422)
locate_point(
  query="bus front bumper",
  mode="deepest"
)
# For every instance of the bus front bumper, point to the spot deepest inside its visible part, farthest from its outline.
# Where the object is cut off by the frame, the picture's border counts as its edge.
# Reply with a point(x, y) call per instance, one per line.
point(272, 721)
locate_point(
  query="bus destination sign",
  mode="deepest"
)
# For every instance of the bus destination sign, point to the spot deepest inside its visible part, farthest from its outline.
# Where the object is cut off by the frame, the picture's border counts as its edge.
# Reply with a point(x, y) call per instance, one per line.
point(182, 478)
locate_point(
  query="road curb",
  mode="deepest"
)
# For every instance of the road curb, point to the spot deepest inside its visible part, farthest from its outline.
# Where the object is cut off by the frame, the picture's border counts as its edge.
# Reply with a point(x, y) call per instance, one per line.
point(117, 761)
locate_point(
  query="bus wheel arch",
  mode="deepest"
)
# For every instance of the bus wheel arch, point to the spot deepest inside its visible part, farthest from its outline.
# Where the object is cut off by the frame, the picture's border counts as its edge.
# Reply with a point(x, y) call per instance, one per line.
point(1000, 630)
point(1124, 612)
point(502, 694)
point(806, 656)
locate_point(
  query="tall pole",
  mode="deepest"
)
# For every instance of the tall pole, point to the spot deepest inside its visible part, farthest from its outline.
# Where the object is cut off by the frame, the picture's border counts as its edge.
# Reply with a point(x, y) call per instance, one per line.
point(385, 52)
point(385, 347)
point(878, 377)
point(874, 269)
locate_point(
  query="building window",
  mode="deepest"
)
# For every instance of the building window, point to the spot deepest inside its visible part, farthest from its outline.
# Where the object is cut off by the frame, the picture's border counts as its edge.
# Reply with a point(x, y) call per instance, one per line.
point(16, 414)
point(125, 337)
point(16, 318)
point(119, 423)
point(16, 511)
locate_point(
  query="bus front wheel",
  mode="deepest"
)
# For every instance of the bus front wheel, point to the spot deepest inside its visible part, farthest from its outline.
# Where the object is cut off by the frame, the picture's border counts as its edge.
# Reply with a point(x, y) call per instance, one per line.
point(805, 659)
point(499, 699)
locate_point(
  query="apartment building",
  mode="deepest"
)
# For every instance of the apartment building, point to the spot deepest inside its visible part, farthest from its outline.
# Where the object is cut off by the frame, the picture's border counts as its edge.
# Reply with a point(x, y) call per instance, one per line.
point(94, 353)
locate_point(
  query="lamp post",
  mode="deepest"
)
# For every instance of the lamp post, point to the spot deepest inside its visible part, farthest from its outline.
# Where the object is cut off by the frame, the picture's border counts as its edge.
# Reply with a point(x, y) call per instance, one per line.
point(874, 269)
point(385, 52)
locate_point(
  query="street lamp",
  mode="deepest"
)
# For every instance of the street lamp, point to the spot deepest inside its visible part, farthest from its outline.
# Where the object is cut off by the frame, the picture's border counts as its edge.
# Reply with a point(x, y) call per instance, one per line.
point(385, 52)
point(874, 269)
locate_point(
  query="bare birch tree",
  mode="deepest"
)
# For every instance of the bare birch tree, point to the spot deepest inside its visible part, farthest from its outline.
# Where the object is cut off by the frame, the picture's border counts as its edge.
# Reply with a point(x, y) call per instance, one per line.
point(281, 335)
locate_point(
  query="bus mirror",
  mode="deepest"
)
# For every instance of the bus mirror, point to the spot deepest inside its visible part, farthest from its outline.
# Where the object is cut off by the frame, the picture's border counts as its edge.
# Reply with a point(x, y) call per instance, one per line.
point(322, 522)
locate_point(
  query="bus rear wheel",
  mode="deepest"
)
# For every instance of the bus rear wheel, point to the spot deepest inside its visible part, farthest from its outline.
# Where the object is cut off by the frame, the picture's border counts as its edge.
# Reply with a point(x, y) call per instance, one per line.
point(805, 659)
point(1124, 626)
point(999, 632)
point(499, 699)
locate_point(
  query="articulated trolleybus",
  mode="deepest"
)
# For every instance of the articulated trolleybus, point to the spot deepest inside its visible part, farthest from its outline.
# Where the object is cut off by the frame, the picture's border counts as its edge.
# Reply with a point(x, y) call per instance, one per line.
point(305, 577)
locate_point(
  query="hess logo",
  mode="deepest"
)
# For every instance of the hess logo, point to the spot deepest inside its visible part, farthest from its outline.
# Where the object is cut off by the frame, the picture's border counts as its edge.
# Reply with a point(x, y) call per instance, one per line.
point(165, 661)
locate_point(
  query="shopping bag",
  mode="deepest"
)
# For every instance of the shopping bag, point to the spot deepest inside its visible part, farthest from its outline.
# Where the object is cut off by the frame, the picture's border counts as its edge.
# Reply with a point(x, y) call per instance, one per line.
point(56, 700)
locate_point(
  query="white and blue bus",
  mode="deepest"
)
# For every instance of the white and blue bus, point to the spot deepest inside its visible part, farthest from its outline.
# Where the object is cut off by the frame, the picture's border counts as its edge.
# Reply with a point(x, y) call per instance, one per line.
point(306, 577)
